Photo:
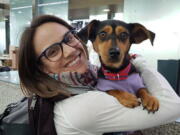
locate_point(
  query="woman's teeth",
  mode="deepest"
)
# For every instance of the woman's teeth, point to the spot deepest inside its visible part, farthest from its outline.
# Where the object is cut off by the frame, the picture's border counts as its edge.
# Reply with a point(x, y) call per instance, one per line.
point(74, 62)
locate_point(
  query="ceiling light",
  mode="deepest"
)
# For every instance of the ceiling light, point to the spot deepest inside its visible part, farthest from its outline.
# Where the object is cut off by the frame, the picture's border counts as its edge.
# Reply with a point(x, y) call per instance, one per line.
point(5, 19)
point(19, 12)
point(29, 22)
point(106, 10)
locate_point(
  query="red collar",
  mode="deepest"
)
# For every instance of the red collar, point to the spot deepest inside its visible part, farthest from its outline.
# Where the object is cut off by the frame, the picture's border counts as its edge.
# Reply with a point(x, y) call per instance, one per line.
point(121, 75)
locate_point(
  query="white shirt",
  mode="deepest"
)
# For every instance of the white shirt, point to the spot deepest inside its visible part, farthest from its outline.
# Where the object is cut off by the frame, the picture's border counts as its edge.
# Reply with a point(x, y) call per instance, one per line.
point(95, 112)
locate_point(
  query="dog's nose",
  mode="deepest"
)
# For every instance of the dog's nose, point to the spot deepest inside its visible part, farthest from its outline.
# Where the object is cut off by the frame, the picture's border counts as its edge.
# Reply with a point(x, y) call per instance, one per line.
point(114, 52)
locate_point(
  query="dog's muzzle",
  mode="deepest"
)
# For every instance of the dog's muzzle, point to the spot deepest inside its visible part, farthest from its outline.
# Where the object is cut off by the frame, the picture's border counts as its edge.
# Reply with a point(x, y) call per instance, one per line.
point(114, 53)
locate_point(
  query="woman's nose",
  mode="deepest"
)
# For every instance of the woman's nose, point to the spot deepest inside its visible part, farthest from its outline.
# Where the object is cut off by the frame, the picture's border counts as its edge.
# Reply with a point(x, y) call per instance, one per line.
point(68, 50)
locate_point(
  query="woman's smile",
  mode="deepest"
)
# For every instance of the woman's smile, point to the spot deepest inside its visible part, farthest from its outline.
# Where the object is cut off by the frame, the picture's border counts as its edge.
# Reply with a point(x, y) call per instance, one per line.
point(74, 62)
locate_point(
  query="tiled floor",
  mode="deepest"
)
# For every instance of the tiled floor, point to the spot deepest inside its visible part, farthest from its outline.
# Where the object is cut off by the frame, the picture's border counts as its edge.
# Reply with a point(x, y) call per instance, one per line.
point(11, 77)
point(178, 120)
point(168, 129)
point(9, 88)
point(9, 93)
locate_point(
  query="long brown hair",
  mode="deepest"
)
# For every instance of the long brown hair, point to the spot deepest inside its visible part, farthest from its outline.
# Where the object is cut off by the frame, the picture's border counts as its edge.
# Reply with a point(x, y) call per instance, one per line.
point(32, 79)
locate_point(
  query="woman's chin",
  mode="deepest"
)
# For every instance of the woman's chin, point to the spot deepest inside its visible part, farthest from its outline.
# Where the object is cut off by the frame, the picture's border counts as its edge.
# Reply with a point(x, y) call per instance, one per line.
point(81, 68)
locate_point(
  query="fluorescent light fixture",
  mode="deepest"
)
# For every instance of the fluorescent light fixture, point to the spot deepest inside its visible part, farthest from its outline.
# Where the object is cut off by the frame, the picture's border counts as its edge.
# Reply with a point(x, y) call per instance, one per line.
point(29, 22)
point(19, 12)
point(40, 5)
point(106, 10)
point(5, 19)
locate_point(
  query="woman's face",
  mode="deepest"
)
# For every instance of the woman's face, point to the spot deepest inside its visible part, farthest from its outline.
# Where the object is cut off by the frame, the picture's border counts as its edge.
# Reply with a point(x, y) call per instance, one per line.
point(73, 58)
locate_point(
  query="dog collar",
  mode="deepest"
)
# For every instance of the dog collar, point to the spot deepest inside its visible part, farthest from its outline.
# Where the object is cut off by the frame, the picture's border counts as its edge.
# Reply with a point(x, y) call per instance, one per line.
point(121, 75)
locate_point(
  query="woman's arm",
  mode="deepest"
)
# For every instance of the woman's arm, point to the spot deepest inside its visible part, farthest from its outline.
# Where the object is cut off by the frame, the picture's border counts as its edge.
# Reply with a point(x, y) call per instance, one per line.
point(155, 82)
point(94, 113)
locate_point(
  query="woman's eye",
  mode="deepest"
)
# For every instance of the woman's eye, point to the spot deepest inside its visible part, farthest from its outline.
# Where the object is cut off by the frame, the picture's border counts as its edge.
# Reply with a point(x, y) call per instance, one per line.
point(123, 36)
point(52, 52)
point(102, 34)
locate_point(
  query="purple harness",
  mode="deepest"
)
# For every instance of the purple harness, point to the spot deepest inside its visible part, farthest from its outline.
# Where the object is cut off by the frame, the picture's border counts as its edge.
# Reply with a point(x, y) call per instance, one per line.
point(132, 84)
point(120, 81)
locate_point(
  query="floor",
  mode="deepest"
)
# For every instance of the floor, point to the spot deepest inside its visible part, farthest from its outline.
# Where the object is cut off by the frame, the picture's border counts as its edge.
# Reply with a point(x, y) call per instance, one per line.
point(9, 93)
point(178, 120)
point(10, 77)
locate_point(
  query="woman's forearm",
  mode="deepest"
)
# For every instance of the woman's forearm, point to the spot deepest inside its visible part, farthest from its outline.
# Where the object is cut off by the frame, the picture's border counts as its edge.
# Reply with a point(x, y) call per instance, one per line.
point(96, 112)
point(154, 81)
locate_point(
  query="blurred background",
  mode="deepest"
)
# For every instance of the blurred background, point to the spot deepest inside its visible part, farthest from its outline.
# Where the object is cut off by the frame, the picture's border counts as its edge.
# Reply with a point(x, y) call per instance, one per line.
point(160, 16)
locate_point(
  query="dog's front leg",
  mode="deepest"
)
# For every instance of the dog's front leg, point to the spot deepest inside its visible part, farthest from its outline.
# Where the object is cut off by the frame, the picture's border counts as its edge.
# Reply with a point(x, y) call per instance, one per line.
point(125, 98)
point(149, 102)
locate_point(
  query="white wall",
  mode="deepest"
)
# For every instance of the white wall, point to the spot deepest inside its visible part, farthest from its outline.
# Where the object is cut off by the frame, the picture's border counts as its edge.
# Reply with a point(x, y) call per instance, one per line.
point(161, 17)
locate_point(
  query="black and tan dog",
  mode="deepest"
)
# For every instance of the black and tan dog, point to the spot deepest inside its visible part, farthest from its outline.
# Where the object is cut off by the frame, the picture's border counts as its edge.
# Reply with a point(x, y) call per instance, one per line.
point(112, 40)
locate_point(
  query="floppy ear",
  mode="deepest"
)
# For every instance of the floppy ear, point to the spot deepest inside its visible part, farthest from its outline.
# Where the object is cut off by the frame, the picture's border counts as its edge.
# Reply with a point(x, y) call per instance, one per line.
point(89, 31)
point(139, 33)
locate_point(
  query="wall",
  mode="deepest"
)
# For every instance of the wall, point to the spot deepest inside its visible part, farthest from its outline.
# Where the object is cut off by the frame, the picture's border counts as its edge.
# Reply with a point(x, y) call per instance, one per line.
point(161, 17)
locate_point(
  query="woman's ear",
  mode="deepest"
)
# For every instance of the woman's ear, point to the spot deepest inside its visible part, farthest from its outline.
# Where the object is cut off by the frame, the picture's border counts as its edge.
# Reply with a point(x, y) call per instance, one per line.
point(139, 33)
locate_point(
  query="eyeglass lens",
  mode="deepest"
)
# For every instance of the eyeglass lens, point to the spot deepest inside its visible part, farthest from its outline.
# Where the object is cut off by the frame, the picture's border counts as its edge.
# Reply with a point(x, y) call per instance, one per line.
point(55, 52)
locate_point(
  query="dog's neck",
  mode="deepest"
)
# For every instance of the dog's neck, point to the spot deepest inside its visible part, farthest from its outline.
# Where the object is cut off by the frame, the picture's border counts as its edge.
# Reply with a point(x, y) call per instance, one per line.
point(120, 73)
point(125, 63)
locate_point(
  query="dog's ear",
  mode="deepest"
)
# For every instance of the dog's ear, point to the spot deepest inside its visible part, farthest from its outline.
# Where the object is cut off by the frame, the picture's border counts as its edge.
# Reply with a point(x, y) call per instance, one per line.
point(139, 33)
point(89, 31)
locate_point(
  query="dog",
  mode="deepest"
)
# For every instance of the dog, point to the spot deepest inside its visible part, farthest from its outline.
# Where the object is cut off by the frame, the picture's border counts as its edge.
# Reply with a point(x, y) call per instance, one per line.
point(117, 76)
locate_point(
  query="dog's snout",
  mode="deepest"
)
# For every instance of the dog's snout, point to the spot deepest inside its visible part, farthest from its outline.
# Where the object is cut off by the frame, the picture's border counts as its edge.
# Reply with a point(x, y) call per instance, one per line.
point(114, 52)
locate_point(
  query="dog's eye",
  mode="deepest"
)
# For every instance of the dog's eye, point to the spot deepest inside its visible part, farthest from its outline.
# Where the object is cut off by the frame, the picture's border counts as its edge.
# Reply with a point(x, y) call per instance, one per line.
point(102, 34)
point(123, 36)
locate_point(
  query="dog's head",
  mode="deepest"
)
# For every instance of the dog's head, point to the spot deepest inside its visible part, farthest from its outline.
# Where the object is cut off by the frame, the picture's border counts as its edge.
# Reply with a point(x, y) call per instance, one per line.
point(112, 39)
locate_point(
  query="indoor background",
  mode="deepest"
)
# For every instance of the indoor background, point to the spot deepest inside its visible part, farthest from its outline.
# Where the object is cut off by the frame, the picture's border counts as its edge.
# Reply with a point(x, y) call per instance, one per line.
point(159, 16)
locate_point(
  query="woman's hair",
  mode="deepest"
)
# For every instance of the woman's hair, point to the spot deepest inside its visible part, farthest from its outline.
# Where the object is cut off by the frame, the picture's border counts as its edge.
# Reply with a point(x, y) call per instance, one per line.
point(32, 79)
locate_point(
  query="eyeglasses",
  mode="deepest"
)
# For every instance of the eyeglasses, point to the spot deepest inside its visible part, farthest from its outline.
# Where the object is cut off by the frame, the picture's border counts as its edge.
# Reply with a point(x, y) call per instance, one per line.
point(55, 51)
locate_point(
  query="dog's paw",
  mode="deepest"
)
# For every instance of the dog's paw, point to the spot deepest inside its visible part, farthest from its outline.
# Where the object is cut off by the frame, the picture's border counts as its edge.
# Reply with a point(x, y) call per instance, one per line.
point(128, 100)
point(150, 103)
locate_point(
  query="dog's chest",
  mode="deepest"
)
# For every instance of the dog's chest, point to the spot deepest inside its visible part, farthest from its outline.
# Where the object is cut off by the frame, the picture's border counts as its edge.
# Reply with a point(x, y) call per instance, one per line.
point(132, 84)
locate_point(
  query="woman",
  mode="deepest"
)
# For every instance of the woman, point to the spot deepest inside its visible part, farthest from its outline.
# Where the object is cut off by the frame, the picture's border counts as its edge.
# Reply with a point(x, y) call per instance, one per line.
point(53, 62)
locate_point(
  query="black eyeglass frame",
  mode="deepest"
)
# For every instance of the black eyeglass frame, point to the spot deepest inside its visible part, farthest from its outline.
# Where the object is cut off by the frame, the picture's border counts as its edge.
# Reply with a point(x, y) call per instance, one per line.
point(73, 31)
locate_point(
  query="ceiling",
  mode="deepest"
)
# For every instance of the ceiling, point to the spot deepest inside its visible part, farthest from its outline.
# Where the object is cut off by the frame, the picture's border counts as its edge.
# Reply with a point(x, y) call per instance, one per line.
point(82, 9)
point(77, 8)
point(4, 1)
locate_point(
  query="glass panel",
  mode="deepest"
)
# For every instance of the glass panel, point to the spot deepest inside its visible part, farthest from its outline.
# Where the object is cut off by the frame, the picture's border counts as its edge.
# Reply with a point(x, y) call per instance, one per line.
point(4, 22)
point(2, 37)
point(19, 19)
point(20, 3)
point(59, 8)
point(50, 1)
point(20, 16)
